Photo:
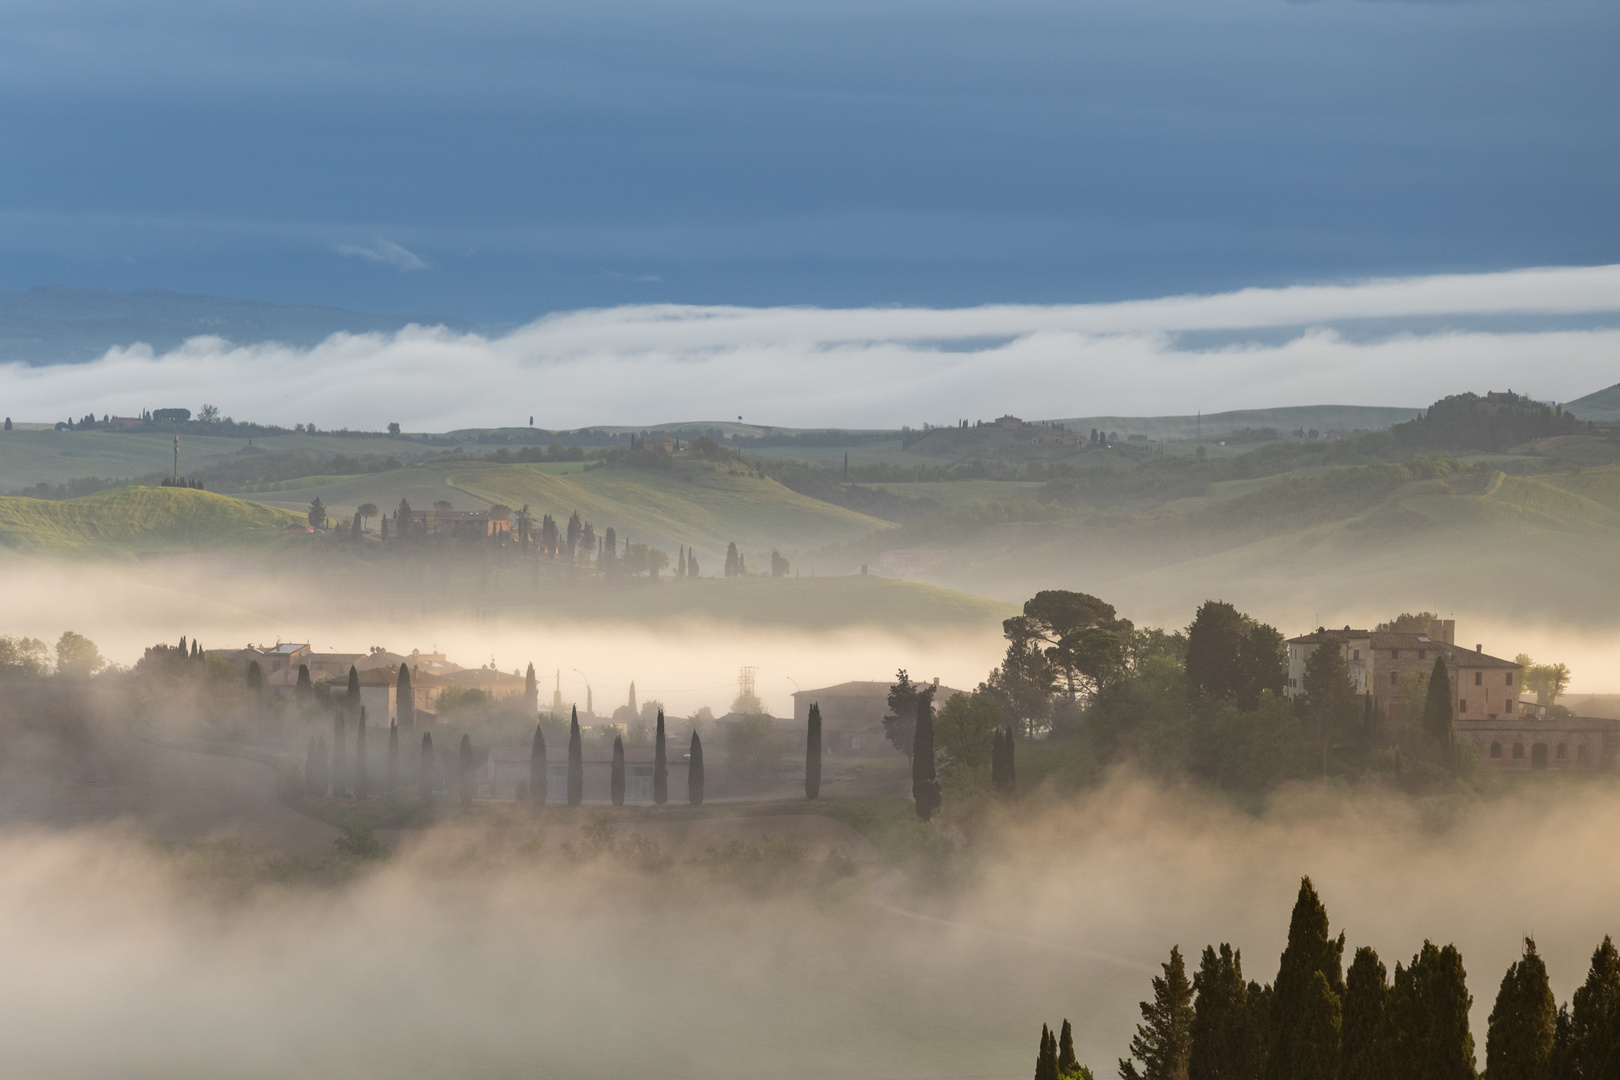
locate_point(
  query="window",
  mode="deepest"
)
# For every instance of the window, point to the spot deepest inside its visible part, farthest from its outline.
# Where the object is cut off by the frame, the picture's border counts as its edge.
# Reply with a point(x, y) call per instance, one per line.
point(1561, 754)
point(1394, 654)
point(1355, 654)
point(1510, 678)
point(1496, 750)
point(1462, 705)
point(1518, 751)
point(1423, 654)
point(1510, 705)
point(1479, 678)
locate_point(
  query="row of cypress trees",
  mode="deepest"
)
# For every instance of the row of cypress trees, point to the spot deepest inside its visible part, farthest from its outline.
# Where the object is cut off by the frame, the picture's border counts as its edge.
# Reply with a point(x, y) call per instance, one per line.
point(1318, 1022)
point(539, 784)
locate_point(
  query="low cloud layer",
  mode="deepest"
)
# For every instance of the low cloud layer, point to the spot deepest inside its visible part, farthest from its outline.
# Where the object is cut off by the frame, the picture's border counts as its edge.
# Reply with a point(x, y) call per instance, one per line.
point(805, 367)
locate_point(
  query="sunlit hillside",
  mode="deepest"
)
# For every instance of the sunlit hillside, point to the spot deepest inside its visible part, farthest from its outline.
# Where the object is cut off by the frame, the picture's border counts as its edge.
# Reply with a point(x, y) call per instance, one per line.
point(143, 518)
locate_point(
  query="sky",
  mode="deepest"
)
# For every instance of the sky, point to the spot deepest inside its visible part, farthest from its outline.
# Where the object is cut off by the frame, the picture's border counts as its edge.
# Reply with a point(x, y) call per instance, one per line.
point(1551, 333)
point(499, 161)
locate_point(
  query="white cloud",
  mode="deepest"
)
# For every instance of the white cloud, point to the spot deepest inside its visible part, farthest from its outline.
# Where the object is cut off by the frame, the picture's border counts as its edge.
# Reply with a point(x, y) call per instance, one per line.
point(388, 253)
point(806, 367)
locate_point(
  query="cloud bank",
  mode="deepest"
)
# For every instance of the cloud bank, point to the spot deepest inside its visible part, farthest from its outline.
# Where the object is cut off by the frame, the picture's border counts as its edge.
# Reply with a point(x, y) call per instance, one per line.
point(386, 252)
point(808, 367)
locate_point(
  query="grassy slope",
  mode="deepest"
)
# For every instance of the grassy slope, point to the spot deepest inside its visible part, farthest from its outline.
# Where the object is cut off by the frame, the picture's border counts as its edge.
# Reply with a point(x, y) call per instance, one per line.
point(144, 518)
point(701, 507)
point(32, 457)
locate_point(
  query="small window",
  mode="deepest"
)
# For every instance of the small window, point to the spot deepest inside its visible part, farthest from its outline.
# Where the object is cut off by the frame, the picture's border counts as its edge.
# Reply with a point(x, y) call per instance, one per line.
point(1510, 678)
point(1518, 751)
point(1462, 705)
point(1561, 752)
point(1479, 678)
point(1394, 654)
point(1355, 654)
point(1423, 654)
point(1510, 706)
point(1496, 750)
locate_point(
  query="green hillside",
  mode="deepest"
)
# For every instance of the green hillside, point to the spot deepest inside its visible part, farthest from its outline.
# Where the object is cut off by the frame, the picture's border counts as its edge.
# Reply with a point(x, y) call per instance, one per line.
point(1601, 405)
point(697, 504)
point(139, 518)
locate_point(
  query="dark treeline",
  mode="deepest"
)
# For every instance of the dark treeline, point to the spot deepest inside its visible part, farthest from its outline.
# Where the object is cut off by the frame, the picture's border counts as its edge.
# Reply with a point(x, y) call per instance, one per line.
point(1320, 1021)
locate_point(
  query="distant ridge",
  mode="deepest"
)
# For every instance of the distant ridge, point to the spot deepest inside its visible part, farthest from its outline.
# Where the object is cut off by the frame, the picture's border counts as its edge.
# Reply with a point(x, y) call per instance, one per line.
point(1214, 425)
point(53, 324)
point(1602, 405)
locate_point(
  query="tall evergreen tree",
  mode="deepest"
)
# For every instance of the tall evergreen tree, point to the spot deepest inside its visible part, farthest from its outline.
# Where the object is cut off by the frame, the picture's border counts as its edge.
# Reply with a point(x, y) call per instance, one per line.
point(1523, 1023)
point(531, 691)
point(1046, 1061)
point(353, 700)
point(1163, 1041)
point(1321, 1023)
point(1366, 1051)
point(1228, 1035)
point(1594, 1022)
point(393, 758)
point(310, 772)
point(694, 772)
point(998, 781)
point(464, 775)
point(925, 793)
point(424, 767)
point(1429, 1012)
point(1329, 701)
point(812, 753)
point(304, 692)
point(616, 773)
point(1067, 1063)
point(362, 779)
point(1309, 950)
point(538, 780)
point(1437, 711)
point(339, 763)
point(255, 680)
point(576, 761)
point(404, 699)
point(660, 764)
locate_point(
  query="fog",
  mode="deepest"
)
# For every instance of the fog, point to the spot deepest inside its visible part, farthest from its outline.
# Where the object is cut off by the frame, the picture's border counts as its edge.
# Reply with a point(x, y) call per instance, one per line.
point(492, 957)
point(793, 366)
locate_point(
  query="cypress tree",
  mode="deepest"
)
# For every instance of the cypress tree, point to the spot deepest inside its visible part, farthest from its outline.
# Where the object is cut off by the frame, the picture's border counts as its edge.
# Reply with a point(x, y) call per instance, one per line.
point(339, 765)
point(1227, 1041)
point(464, 777)
point(660, 764)
point(1163, 1041)
point(1046, 1060)
point(924, 787)
point(576, 762)
point(1523, 1023)
point(305, 691)
point(354, 688)
point(404, 699)
point(1067, 1064)
point(998, 782)
point(1309, 951)
point(1365, 1052)
point(1429, 1011)
point(1009, 768)
point(1437, 710)
point(1562, 1062)
point(393, 758)
point(184, 651)
point(616, 776)
point(694, 773)
point(812, 754)
point(424, 767)
point(1320, 1027)
point(1594, 1023)
point(196, 650)
point(531, 690)
point(537, 767)
point(255, 679)
point(362, 784)
point(309, 770)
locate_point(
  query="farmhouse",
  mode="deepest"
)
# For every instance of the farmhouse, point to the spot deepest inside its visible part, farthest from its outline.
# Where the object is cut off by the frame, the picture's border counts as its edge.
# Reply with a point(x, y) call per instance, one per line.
point(852, 715)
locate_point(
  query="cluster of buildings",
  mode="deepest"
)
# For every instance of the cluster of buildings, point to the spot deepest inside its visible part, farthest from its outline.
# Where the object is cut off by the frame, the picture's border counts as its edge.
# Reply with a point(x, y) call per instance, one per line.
point(1488, 706)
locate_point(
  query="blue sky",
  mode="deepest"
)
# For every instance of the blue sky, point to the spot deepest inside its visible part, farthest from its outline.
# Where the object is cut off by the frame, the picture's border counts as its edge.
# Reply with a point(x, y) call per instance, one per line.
point(495, 161)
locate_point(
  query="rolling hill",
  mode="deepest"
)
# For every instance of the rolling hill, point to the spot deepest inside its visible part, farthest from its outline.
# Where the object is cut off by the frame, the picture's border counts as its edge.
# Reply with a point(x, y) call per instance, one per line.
point(139, 518)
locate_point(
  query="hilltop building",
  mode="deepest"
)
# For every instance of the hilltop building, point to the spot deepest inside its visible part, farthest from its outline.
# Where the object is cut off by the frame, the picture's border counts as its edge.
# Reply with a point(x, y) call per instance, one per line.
point(852, 715)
